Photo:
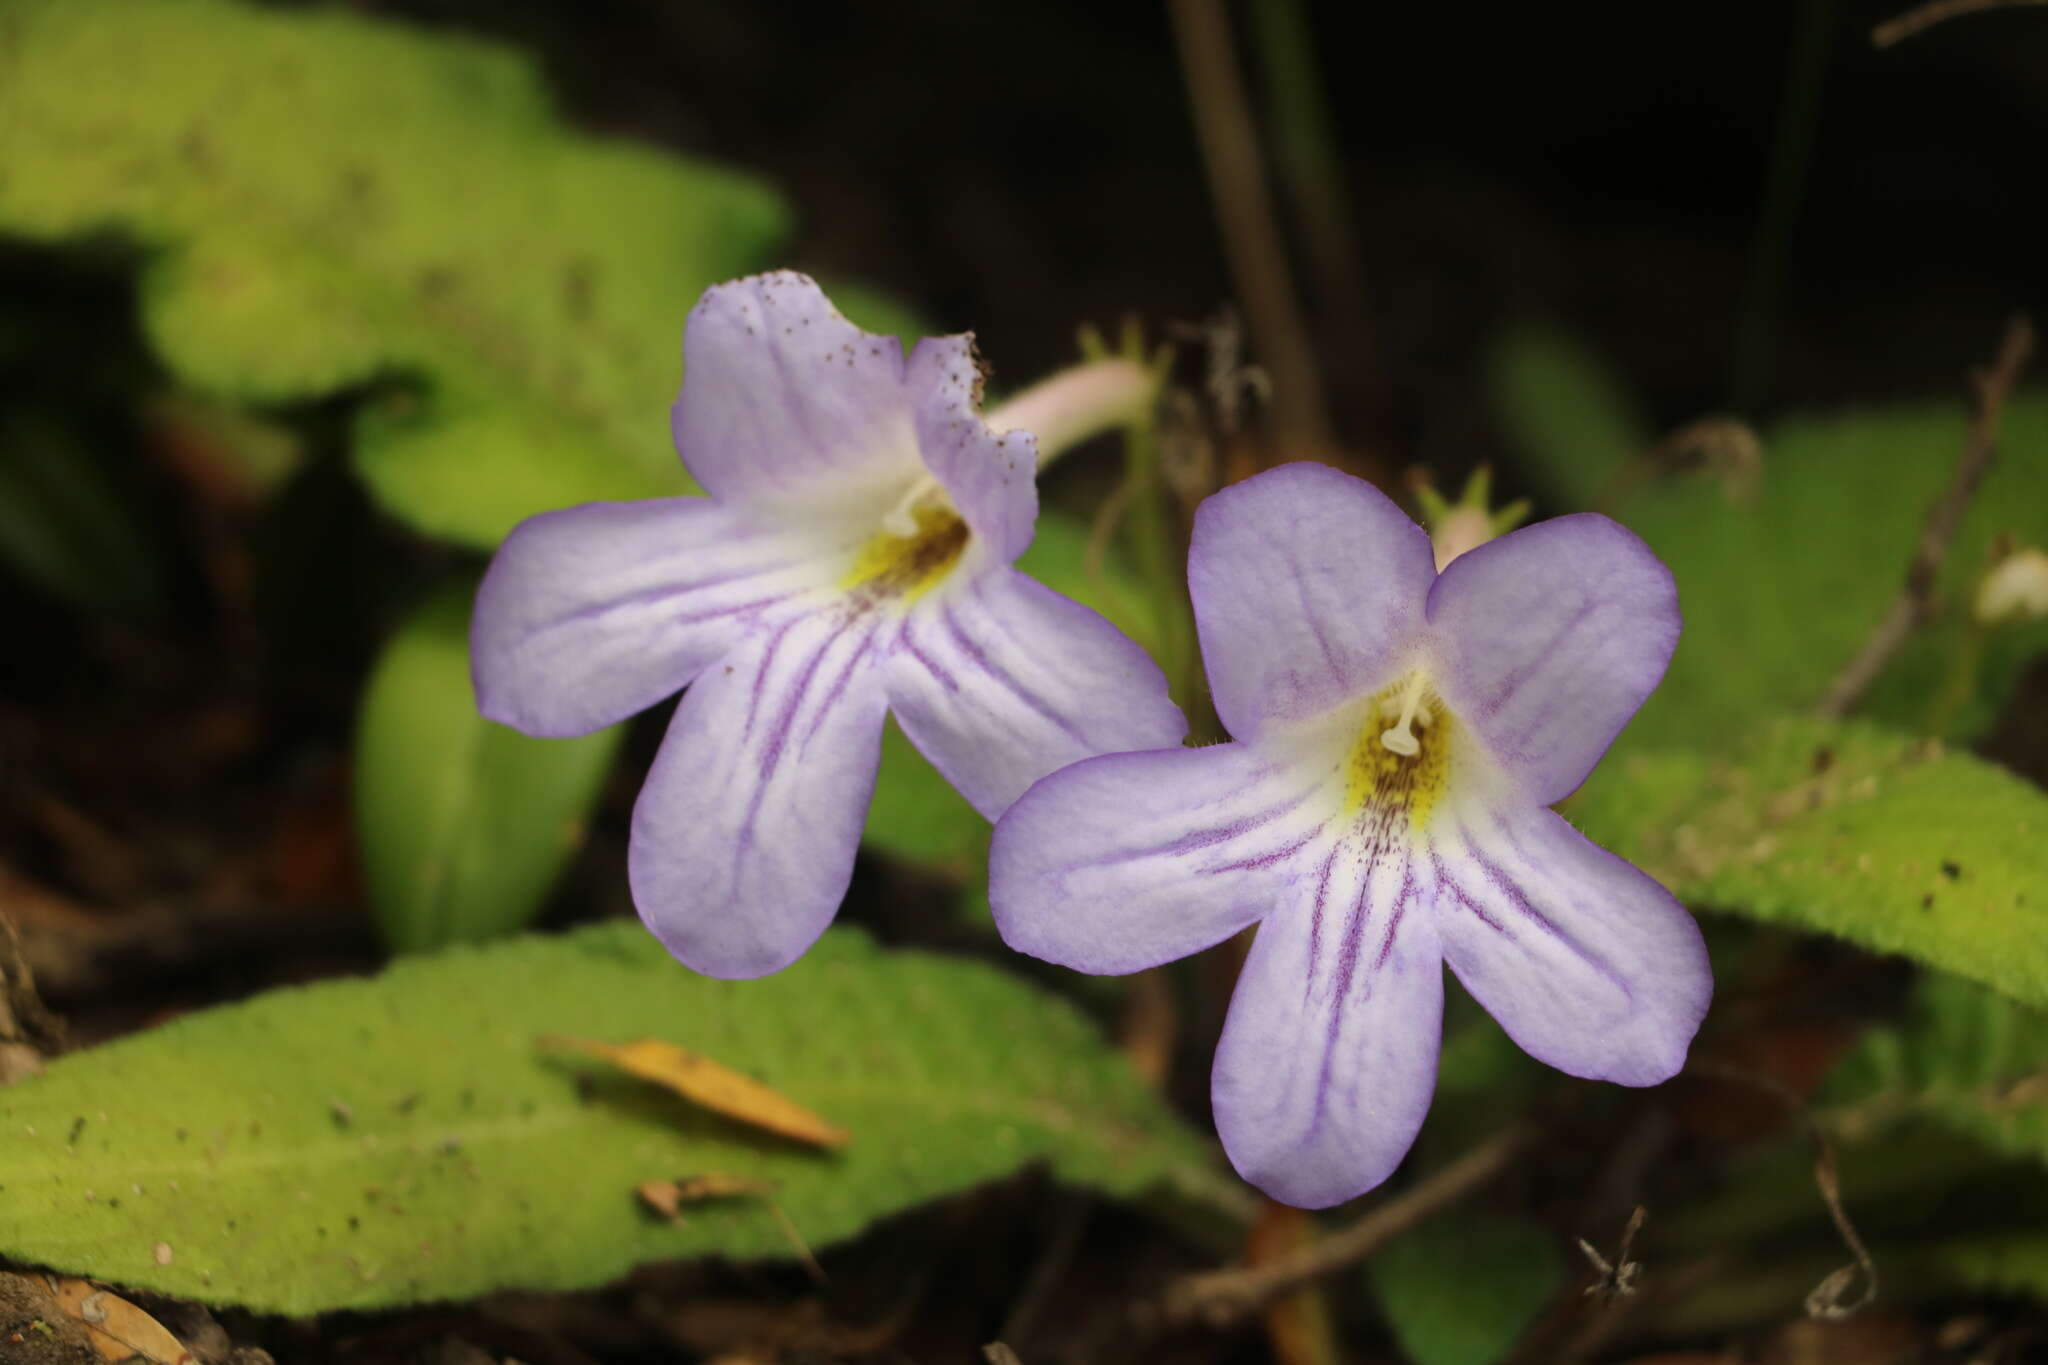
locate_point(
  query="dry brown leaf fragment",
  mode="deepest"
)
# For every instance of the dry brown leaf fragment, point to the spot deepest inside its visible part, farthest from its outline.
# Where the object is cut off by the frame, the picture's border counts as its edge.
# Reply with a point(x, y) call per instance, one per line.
point(667, 1197)
point(704, 1082)
point(118, 1329)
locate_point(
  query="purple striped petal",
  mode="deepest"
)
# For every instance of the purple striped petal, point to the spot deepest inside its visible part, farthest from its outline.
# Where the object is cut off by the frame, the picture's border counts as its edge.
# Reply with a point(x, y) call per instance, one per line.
point(999, 680)
point(786, 404)
point(1547, 641)
point(1127, 861)
point(592, 613)
point(1308, 587)
point(1588, 964)
point(992, 479)
point(1329, 1054)
point(744, 835)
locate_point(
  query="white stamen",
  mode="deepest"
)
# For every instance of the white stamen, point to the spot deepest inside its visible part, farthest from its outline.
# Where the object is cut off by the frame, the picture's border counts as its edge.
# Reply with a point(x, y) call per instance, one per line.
point(901, 520)
point(1400, 738)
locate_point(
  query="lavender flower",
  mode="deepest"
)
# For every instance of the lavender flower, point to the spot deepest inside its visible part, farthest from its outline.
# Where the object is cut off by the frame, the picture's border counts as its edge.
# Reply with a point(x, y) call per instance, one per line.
point(853, 559)
point(1399, 733)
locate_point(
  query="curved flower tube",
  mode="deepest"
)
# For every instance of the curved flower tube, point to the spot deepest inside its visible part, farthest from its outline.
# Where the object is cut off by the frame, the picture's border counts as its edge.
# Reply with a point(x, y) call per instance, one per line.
point(1399, 733)
point(853, 559)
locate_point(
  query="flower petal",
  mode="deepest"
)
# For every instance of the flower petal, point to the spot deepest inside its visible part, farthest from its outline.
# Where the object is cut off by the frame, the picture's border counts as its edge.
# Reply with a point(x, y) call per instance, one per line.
point(1328, 1058)
point(1588, 963)
point(1308, 587)
point(1548, 639)
point(743, 837)
point(999, 680)
point(992, 479)
point(1126, 861)
point(592, 613)
point(786, 404)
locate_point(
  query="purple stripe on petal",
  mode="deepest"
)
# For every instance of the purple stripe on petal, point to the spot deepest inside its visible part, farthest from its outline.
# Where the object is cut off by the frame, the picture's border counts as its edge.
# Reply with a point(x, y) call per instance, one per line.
point(743, 839)
point(996, 672)
point(1269, 858)
point(1613, 982)
point(1095, 867)
point(1547, 640)
point(1308, 588)
point(1000, 681)
point(1318, 1093)
point(592, 613)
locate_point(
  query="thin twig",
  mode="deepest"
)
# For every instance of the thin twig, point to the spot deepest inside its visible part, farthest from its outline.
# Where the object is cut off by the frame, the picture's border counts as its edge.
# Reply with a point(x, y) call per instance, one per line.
point(1904, 26)
point(1244, 210)
point(1219, 1298)
point(1916, 599)
point(1827, 1299)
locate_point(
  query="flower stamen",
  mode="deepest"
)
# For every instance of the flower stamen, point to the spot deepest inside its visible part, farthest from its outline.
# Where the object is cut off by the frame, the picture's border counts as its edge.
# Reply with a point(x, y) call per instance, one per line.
point(1400, 737)
point(904, 520)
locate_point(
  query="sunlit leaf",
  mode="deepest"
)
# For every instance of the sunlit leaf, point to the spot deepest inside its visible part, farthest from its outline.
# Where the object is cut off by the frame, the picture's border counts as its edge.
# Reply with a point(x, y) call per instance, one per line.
point(464, 825)
point(1461, 1290)
point(329, 201)
point(1891, 843)
point(364, 1143)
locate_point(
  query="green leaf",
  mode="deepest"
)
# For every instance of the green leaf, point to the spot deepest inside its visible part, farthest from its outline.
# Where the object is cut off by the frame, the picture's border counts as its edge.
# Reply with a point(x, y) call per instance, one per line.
point(1461, 1290)
point(1964, 1057)
point(916, 814)
point(918, 817)
point(1781, 585)
point(1780, 591)
point(329, 201)
point(364, 1143)
point(464, 824)
point(1566, 409)
point(2002, 1263)
point(1845, 829)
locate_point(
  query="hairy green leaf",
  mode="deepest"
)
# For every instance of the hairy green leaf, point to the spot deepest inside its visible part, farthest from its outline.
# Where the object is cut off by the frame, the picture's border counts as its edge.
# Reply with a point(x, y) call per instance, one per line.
point(365, 1143)
point(1462, 1290)
point(328, 201)
point(1846, 829)
point(1783, 575)
point(464, 824)
point(1965, 1057)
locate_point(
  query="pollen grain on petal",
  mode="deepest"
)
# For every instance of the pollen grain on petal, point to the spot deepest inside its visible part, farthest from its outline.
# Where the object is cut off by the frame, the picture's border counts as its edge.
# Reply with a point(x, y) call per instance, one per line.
point(903, 568)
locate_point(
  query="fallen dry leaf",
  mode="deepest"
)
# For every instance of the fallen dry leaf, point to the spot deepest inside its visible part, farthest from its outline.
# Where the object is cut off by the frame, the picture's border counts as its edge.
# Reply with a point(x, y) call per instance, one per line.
point(117, 1328)
point(702, 1081)
point(667, 1197)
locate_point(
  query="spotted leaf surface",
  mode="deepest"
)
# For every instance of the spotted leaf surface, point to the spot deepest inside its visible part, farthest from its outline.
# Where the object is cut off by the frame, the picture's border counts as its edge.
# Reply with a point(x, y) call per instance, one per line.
point(324, 201)
point(366, 1143)
point(1896, 844)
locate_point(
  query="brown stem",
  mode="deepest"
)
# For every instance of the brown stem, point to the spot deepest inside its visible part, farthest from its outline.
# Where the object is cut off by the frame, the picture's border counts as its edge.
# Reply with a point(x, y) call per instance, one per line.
point(1916, 600)
point(1219, 1298)
point(1904, 26)
point(1244, 209)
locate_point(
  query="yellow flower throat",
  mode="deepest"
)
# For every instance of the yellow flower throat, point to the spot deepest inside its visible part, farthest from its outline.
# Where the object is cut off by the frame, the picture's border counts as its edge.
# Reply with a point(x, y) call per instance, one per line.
point(905, 567)
point(1400, 761)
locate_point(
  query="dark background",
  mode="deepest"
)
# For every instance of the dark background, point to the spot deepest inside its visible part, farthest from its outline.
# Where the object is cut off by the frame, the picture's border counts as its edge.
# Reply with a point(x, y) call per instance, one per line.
point(1018, 168)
